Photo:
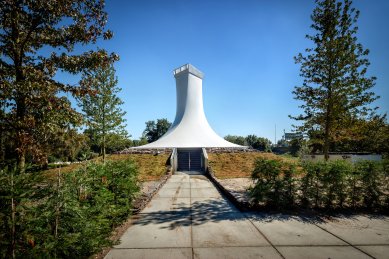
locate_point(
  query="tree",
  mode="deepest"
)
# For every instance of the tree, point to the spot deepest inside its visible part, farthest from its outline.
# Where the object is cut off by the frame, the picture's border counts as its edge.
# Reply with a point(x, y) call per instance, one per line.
point(251, 140)
point(155, 129)
point(68, 146)
point(239, 140)
point(38, 39)
point(262, 144)
point(335, 90)
point(296, 145)
point(371, 135)
point(117, 142)
point(139, 142)
point(102, 110)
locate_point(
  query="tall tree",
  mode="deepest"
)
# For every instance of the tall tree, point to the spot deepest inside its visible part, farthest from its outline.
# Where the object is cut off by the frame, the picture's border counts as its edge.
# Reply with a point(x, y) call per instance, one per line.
point(155, 129)
point(239, 140)
point(262, 144)
point(38, 39)
point(366, 135)
point(335, 91)
point(102, 109)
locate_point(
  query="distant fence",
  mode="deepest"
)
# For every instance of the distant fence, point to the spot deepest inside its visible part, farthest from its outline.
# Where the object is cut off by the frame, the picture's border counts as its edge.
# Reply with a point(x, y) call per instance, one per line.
point(345, 156)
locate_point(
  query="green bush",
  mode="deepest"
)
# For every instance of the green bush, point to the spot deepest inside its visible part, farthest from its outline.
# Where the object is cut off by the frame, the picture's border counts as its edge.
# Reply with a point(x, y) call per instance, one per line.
point(70, 216)
point(266, 176)
point(311, 183)
point(335, 184)
point(329, 185)
point(355, 188)
point(371, 180)
point(385, 182)
point(274, 183)
point(288, 193)
point(17, 191)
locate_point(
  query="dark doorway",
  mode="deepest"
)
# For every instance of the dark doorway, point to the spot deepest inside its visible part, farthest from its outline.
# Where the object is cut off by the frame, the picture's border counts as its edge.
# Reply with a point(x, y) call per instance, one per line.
point(189, 159)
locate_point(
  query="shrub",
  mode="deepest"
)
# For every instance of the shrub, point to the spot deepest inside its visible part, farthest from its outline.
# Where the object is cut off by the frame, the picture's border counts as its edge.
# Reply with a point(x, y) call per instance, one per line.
point(72, 216)
point(17, 193)
point(335, 184)
point(371, 176)
point(267, 184)
point(288, 185)
point(355, 188)
point(311, 183)
point(329, 185)
point(274, 183)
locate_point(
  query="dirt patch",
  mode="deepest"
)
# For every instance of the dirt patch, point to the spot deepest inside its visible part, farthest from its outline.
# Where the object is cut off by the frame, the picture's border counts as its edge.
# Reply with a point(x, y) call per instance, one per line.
point(237, 187)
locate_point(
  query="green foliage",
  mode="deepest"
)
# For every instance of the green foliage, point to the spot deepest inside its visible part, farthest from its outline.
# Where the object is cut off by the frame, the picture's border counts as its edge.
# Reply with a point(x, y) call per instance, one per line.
point(102, 109)
point(70, 216)
point(288, 185)
point(38, 39)
point(335, 92)
point(16, 191)
point(365, 135)
point(117, 142)
point(253, 141)
point(139, 142)
point(334, 183)
point(262, 144)
point(155, 129)
point(296, 145)
point(266, 176)
point(274, 183)
point(239, 140)
point(311, 187)
point(328, 185)
point(371, 181)
point(69, 146)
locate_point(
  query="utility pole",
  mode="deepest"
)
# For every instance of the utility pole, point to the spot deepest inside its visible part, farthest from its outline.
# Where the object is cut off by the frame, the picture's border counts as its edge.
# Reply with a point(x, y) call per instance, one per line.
point(275, 134)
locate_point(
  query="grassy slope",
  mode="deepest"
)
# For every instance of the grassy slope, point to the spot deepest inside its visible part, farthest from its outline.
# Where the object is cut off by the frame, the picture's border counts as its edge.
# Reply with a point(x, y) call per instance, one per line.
point(224, 165)
point(233, 165)
point(150, 167)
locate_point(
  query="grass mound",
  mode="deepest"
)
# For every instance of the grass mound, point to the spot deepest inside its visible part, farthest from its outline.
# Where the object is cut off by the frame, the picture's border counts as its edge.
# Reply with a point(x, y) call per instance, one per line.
point(151, 167)
point(238, 165)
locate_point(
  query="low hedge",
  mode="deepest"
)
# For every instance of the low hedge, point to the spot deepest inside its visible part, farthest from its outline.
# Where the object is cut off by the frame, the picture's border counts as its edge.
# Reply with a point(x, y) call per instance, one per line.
point(321, 185)
point(71, 216)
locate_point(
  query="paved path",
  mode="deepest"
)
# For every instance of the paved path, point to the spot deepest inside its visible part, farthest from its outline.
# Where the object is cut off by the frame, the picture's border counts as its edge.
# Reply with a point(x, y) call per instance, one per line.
point(188, 218)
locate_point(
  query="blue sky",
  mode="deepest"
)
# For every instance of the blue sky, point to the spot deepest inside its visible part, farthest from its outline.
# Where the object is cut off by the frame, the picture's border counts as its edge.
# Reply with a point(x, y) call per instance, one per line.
point(245, 48)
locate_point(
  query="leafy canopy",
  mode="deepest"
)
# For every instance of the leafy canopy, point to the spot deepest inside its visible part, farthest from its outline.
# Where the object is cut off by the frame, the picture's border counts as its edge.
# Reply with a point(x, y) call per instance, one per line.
point(336, 87)
point(38, 39)
point(102, 111)
point(155, 129)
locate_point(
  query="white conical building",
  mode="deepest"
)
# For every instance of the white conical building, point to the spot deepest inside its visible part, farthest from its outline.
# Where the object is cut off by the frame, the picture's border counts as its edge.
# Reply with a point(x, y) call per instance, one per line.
point(190, 128)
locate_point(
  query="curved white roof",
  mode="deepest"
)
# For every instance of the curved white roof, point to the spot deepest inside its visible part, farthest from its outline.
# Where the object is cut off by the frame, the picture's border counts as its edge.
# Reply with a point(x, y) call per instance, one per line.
point(190, 128)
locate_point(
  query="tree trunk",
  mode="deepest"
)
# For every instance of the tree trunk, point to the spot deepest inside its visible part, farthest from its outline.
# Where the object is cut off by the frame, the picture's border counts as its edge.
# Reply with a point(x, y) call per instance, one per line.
point(21, 133)
point(57, 211)
point(21, 161)
point(328, 118)
point(326, 146)
point(327, 125)
point(2, 133)
point(2, 149)
point(20, 100)
point(103, 148)
point(13, 218)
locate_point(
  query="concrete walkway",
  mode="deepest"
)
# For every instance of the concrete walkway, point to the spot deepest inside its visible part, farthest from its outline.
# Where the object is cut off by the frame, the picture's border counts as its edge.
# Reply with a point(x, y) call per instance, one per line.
point(189, 218)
